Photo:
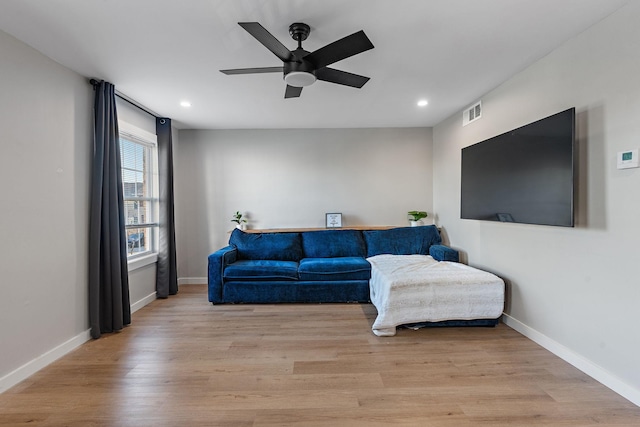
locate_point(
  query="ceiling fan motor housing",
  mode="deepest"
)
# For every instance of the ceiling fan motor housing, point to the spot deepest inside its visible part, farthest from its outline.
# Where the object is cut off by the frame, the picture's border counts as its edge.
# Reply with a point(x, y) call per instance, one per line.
point(299, 73)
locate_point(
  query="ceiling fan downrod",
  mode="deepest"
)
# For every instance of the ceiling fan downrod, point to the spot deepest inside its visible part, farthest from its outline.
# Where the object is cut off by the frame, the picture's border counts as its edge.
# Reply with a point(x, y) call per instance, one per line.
point(299, 32)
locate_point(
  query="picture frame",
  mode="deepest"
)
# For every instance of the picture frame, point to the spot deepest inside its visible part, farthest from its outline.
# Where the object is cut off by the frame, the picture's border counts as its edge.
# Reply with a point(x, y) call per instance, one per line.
point(333, 220)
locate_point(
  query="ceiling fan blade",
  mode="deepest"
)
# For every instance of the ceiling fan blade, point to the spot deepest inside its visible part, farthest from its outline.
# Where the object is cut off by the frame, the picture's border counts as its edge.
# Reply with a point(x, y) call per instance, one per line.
point(292, 92)
point(341, 77)
point(268, 40)
point(340, 49)
point(253, 70)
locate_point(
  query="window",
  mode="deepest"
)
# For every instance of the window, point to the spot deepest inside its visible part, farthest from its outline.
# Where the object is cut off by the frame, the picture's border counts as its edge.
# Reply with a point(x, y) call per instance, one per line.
point(139, 159)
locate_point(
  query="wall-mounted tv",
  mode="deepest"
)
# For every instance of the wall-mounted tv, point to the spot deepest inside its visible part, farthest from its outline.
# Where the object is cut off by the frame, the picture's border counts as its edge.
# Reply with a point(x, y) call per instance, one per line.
point(525, 175)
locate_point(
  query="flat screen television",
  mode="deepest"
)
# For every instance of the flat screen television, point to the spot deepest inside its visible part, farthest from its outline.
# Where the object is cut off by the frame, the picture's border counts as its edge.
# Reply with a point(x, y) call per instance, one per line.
point(525, 175)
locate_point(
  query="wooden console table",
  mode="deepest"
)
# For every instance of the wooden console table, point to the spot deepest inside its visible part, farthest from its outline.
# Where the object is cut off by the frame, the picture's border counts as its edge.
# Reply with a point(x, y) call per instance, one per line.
point(300, 230)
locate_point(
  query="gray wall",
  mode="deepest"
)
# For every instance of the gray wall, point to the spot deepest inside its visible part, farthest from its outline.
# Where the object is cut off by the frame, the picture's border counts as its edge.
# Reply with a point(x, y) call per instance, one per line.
point(577, 289)
point(45, 132)
point(291, 178)
point(46, 137)
point(135, 116)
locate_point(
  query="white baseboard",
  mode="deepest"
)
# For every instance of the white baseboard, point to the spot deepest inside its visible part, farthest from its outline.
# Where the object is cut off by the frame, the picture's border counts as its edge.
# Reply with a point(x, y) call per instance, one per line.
point(144, 301)
point(594, 371)
point(33, 366)
point(192, 281)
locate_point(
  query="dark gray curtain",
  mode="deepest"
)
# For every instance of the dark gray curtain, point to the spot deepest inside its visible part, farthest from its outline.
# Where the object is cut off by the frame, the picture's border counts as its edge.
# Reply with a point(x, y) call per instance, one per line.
point(109, 306)
point(166, 277)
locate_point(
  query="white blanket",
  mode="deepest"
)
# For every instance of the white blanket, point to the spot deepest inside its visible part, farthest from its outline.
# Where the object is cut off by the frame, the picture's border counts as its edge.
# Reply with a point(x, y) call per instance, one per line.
point(417, 288)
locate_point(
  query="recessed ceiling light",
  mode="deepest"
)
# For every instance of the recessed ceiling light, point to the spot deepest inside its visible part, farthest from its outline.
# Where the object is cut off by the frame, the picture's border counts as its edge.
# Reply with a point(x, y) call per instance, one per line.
point(423, 103)
point(185, 104)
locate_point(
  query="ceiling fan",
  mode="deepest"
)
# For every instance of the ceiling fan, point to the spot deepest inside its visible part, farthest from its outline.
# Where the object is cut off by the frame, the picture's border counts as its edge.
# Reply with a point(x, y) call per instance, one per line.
point(301, 68)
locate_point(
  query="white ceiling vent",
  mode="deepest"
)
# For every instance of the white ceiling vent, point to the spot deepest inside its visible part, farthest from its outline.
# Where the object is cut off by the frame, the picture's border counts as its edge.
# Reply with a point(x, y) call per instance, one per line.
point(472, 113)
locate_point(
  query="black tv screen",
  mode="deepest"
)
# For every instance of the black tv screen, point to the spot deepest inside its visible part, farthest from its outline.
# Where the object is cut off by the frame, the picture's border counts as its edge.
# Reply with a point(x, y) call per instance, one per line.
point(525, 175)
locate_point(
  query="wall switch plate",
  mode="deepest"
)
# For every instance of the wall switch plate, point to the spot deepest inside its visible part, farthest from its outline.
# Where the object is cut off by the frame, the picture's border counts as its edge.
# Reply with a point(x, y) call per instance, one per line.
point(628, 159)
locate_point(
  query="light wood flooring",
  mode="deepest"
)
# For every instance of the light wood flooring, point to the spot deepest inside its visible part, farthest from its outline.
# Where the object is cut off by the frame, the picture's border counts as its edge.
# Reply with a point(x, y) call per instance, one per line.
point(184, 362)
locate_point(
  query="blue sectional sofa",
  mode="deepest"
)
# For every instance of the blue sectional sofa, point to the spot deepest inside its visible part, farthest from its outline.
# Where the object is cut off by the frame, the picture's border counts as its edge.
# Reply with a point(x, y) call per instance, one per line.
point(311, 266)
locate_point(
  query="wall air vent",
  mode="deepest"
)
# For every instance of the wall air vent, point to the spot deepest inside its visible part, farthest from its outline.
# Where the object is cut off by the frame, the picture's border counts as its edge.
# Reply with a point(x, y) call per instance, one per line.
point(472, 113)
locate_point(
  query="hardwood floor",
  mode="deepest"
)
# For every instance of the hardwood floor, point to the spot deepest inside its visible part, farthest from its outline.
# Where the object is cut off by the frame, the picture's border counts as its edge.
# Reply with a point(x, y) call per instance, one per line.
point(184, 362)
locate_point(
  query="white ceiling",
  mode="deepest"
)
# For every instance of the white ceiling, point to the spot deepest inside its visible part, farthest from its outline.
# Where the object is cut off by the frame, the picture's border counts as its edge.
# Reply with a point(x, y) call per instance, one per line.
point(160, 52)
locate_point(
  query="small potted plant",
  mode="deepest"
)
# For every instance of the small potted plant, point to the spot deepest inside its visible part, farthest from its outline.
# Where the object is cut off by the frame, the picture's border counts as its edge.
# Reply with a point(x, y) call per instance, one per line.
point(416, 217)
point(241, 223)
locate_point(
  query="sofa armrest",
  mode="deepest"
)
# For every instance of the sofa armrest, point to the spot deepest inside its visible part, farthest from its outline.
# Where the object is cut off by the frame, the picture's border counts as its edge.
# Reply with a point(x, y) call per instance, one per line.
point(443, 253)
point(217, 262)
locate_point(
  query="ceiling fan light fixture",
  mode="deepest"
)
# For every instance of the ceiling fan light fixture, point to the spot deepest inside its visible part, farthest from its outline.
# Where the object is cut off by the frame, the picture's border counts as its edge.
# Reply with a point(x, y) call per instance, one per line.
point(300, 78)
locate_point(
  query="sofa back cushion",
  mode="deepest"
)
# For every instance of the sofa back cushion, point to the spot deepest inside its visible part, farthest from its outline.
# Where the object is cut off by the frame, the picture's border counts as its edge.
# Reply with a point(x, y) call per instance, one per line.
point(401, 241)
point(333, 243)
point(274, 246)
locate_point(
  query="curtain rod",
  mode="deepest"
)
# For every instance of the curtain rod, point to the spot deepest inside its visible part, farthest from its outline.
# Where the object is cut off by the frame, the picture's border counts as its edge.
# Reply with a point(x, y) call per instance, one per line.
point(125, 98)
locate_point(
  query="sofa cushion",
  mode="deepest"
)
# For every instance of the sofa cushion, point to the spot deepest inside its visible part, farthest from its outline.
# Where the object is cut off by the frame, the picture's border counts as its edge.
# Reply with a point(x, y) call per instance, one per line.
point(444, 253)
point(267, 246)
point(261, 270)
point(333, 243)
point(340, 268)
point(401, 241)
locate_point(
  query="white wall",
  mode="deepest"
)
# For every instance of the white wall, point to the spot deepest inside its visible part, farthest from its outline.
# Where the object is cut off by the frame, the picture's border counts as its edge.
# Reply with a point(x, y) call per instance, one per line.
point(45, 132)
point(577, 289)
point(291, 178)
